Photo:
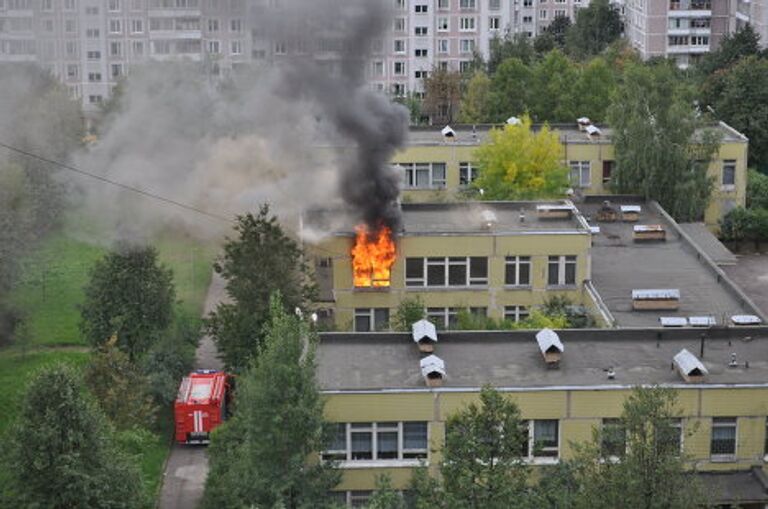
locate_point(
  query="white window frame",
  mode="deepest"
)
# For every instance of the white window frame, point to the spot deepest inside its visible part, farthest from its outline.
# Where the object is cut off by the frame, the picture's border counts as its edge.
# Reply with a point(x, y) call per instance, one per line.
point(516, 261)
point(405, 457)
point(543, 14)
point(466, 5)
point(728, 164)
point(466, 46)
point(467, 173)
point(399, 46)
point(443, 46)
point(442, 316)
point(542, 459)
point(725, 457)
point(443, 23)
point(370, 314)
point(580, 173)
point(562, 262)
point(516, 313)
point(447, 262)
point(467, 24)
point(411, 170)
point(236, 47)
point(494, 22)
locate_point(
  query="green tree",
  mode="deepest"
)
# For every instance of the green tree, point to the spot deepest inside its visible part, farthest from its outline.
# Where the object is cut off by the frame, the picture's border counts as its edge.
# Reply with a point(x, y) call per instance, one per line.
point(662, 146)
point(120, 388)
point(260, 261)
point(414, 104)
point(510, 89)
point(62, 450)
point(129, 294)
point(596, 26)
point(593, 90)
point(519, 163)
point(262, 456)
point(561, 306)
point(553, 80)
point(409, 311)
point(757, 190)
point(385, 497)
point(558, 29)
point(482, 464)
point(741, 100)
point(442, 96)
point(652, 472)
point(475, 103)
point(509, 46)
point(170, 359)
point(735, 46)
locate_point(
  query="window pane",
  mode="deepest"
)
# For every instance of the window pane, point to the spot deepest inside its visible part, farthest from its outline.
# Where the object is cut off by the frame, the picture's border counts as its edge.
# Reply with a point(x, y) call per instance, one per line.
point(510, 276)
point(438, 174)
point(422, 176)
point(478, 270)
point(613, 441)
point(457, 274)
point(415, 435)
point(545, 438)
point(414, 268)
point(362, 323)
point(553, 271)
point(338, 441)
point(436, 273)
point(386, 444)
point(525, 271)
point(381, 318)
point(361, 445)
point(570, 273)
point(723, 435)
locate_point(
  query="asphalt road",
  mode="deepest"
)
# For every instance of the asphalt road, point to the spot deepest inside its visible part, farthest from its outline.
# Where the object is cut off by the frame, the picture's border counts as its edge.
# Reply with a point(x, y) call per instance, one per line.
point(187, 467)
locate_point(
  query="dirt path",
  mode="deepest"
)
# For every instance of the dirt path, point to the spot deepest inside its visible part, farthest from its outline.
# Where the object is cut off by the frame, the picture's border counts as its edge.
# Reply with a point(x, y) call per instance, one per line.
point(187, 466)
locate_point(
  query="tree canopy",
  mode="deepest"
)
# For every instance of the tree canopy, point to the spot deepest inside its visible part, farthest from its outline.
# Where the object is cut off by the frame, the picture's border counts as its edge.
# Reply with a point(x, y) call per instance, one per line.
point(63, 452)
point(596, 26)
point(262, 260)
point(259, 458)
point(130, 295)
point(520, 163)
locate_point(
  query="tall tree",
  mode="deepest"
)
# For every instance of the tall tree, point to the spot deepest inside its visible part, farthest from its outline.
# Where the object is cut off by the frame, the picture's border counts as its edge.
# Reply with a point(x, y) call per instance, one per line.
point(511, 87)
point(741, 100)
point(260, 261)
point(652, 473)
point(553, 80)
point(596, 26)
point(130, 295)
point(442, 96)
point(558, 29)
point(520, 163)
point(733, 47)
point(662, 146)
point(475, 104)
point(63, 452)
point(262, 456)
point(594, 87)
point(517, 46)
point(482, 464)
point(757, 190)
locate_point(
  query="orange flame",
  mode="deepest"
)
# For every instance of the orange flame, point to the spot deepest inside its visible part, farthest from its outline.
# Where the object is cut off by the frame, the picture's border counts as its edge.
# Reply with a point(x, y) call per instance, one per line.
point(372, 256)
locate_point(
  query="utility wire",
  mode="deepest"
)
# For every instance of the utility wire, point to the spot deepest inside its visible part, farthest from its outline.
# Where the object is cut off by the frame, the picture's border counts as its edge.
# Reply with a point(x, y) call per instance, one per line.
point(147, 194)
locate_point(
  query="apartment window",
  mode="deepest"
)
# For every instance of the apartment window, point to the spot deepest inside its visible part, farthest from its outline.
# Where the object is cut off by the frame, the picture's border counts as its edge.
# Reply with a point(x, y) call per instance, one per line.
point(559, 13)
point(464, 67)
point(116, 70)
point(729, 172)
point(467, 24)
point(70, 48)
point(214, 47)
point(399, 46)
point(137, 26)
point(137, 47)
point(442, 24)
point(421, 75)
point(371, 319)
point(92, 10)
point(213, 25)
point(236, 48)
point(543, 14)
point(607, 171)
point(115, 27)
point(70, 26)
point(494, 5)
point(400, 4)
point(442, 46)
point(93, 55)
point(378, 68)
point(113, 5)
point(280, 48)
point(613, 441)
point(361, 441)
point(452, 271)
point(421, 9)
point(678, 40)
point(467, 173)
point(466, 45)
point(699, 40)
point(443, 4)
point(95, 99)
point(543, 439)
point(423, 175)
point(467, 4)
point(420, 52)
point(723, 445)
point(115, 49)
point(527, 3)
point(672, 439)
point(399, 24)
point(399, 68)
point(399, 89)
point(700, 23)
point(528, 19)
point(443, 318)
point(580, 173)
point(72, 71)
point(236, 25)
point(421, 31)
point(442, 65)
point(48, 25)
point(494, 22)
point(516, 313)
point(517, 270)
point(561, 271)
point(92, 33)
point(69, 5)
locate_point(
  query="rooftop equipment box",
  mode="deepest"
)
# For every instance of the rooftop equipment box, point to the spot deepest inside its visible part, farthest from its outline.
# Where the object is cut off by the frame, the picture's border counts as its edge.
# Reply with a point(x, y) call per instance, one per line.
point(655, 300)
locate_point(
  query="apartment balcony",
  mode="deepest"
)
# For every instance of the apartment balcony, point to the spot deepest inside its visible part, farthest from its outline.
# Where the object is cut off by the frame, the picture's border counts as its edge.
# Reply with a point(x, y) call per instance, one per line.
point(691, 50)
point(743, 17)
point(689, 31)
point(689, 13)
point(175, 34)
point(174, 13)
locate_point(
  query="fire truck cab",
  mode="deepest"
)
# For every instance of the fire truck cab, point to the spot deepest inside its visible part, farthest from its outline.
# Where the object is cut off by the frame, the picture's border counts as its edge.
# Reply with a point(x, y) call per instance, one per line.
point(201, 405)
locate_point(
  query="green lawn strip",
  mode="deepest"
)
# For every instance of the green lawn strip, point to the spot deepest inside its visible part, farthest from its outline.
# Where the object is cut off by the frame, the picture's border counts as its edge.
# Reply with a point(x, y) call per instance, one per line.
point(191, 263)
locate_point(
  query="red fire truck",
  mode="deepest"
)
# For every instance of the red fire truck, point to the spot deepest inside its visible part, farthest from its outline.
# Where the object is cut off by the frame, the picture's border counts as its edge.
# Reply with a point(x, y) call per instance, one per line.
point(201, 405)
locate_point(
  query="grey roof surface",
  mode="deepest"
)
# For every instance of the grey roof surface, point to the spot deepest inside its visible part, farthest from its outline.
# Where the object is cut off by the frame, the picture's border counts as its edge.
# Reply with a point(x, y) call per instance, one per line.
point(620, 265)
point(751, 274)
point(708, 243)
point(569, 133)
point(745, 486)
point(456, 219)
point(512, 359)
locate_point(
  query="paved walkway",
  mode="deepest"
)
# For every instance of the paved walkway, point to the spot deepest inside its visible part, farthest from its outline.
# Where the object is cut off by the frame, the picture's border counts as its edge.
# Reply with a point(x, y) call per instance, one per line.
point(187, 467)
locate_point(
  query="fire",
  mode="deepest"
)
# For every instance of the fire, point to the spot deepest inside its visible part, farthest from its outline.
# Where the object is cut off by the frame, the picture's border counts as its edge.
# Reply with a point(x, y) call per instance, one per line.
point(372, 256)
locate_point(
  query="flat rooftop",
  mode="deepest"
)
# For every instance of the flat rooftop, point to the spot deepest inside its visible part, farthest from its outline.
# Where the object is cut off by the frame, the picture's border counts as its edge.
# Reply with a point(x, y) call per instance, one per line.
point(512, 359)
point(620, 265)
point(465, 218)
point(568, 132)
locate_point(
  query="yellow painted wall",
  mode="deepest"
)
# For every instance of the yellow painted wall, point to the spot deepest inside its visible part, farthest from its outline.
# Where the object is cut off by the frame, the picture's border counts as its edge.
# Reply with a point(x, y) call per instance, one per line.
point(494, 296)
point(579, 413)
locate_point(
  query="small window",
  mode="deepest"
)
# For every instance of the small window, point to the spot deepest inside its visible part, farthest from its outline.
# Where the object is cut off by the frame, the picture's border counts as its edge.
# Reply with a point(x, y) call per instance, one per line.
point(517, 270)
point(467, 172)
point(414, 440)
point(516, 313)
point(361, 438)
point(421, 9)
point(414, 272)
point(613, 442)
point(337, 443)
point(723, 445)
point(729, 172)
point(545, 439)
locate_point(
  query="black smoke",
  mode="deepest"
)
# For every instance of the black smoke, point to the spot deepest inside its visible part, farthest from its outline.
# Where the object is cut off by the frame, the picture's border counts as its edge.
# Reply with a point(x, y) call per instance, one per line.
point(327, 45)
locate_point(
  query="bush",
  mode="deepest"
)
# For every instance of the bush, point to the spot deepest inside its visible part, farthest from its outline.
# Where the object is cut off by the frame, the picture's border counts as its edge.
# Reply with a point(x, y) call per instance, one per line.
point(757, 190)
point(562, 306)
point(164, 366)
point(744, 224)
point(409, 311)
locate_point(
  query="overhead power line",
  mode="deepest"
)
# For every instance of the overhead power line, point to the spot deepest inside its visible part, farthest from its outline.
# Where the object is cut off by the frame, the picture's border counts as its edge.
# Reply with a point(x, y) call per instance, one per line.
point(126, 187)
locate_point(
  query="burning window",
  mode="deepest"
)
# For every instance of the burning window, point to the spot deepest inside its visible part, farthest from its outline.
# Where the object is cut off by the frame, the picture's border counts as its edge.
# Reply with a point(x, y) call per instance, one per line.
point(372, 257)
